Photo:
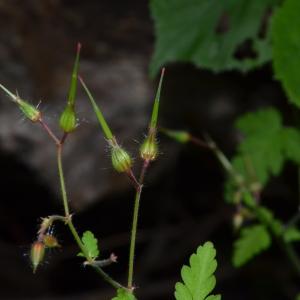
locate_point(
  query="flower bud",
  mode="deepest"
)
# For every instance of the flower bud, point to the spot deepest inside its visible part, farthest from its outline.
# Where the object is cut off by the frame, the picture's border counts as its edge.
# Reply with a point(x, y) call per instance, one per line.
point(67, 119)
point(29, 110)
point(149, 149)
point(121, 160)
point(179, 136)
point(237, 221)
point(37, 254)
point(50, 241)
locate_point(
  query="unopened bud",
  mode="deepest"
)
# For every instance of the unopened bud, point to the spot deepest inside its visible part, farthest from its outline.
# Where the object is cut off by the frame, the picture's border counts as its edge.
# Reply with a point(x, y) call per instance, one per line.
point(121, 160)
point(179, 136)
point(30, 112)
point(50, 241)
point(149, 149)
point(37, 254)
point(237, 220)
point(67, 119)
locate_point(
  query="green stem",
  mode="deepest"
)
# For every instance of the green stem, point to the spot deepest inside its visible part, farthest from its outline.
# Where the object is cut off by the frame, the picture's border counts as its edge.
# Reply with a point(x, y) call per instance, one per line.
point(133, 235)
point(292, 256)
point(108, 279)
point(62, 181)
point(70, 224)
point(137, 199)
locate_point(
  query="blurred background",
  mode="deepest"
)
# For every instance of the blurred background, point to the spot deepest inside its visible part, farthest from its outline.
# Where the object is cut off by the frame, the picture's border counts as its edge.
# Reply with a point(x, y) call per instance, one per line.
point(182, 203)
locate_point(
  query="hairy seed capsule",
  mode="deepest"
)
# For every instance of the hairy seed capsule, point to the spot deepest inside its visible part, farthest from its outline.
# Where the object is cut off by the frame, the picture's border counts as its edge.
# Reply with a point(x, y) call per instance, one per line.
point(149, 149)
point(67, 119)
point(29, 110)
point(121, 160)
point(37, 254)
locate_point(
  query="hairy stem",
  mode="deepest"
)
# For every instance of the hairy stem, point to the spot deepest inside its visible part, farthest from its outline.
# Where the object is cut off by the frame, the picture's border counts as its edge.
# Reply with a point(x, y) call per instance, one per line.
point(133, 235)
point(49, 132)
point(137, 199)
point(62, 181)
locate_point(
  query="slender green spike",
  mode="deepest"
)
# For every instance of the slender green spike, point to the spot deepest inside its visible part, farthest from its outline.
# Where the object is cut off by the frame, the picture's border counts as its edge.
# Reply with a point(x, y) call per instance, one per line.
point(154, 116)
point(13, 97)
point(107, 132)
point(73, 85)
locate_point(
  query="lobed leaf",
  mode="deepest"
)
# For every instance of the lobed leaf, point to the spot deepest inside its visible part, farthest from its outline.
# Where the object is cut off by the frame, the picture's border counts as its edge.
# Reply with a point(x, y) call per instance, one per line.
point(253, 240)
point(208, 33)
point(91, 245)
point(265, 147)
point(198, 278)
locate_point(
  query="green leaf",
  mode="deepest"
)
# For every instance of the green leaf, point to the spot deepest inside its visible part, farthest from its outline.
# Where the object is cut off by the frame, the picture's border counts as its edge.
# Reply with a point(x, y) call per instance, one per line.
point(291, 144)
point(267, 218)
point(124, 295)
point(187, 31)
point(265, 147)
point(253, 240)
point(291, 234)
point(286, 48)
point(198, 278)
point(262, 143)
point(91, 245)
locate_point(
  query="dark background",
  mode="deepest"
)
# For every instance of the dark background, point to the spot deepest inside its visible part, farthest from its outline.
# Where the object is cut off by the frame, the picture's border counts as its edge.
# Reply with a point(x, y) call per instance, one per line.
point(182, 204)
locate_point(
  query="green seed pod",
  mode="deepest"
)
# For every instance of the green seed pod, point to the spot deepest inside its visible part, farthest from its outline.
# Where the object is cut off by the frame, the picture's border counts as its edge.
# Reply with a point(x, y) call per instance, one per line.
point(67, 121)
point(29, 110)
point(149, 149)
point(37, 254)
point(121, 160)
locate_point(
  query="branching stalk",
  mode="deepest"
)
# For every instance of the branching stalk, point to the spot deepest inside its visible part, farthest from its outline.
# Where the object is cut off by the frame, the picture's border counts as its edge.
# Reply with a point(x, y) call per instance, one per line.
point(225, 162)
point(68, 216)
point(137, 199)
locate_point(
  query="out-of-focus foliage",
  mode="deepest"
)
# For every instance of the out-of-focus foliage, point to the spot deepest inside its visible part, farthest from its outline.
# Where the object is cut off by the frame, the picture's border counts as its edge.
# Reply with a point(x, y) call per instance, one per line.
point(198, 278)
point(292, 234)
point(286, 48)
point(254, 239)
point(209, 33)
point(265, 146)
